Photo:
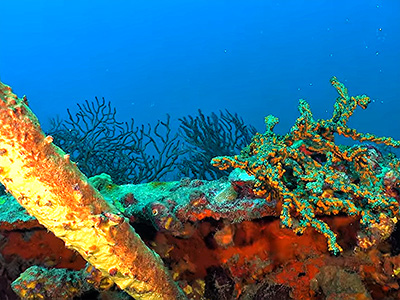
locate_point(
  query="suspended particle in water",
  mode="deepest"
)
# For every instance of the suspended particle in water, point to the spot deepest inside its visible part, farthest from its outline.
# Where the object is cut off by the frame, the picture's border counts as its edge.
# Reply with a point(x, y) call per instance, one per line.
point(380, 34)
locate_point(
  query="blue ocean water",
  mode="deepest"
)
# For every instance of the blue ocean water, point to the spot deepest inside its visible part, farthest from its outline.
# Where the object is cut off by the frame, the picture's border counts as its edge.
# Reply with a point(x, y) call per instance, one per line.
point(255, 58)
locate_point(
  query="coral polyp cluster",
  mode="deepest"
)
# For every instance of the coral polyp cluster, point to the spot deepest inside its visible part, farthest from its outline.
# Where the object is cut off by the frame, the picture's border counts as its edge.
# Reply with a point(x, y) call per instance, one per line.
point(310, 175)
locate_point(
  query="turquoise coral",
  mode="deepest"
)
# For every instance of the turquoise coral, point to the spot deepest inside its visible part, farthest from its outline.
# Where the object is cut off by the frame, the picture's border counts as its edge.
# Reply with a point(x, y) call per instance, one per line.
point(312, 176)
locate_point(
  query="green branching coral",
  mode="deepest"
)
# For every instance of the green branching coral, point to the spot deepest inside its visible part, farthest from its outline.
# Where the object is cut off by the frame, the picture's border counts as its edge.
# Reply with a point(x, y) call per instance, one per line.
point(311, 176)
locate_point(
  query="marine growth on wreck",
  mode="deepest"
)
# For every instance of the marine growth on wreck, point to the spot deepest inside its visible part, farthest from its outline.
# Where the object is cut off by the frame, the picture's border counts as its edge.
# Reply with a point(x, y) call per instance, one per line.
point(298, 217)
point(312, 176)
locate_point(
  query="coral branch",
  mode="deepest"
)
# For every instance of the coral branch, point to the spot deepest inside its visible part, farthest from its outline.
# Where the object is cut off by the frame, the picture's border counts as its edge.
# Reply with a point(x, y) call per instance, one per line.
point(98, 143)
point(208, 136)
point(44, 180)
point(310, 175)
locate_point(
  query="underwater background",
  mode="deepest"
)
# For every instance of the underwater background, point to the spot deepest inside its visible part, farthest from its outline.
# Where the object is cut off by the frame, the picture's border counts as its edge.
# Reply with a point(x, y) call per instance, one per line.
point(255, 58)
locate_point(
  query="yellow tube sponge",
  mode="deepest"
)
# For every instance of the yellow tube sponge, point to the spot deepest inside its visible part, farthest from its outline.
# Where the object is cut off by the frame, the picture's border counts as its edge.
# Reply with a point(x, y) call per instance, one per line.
point(50, 187)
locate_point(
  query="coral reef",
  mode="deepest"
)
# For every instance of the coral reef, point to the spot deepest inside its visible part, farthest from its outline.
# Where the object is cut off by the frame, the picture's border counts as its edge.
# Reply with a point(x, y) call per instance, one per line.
point(253, 235)
point(217, 241)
